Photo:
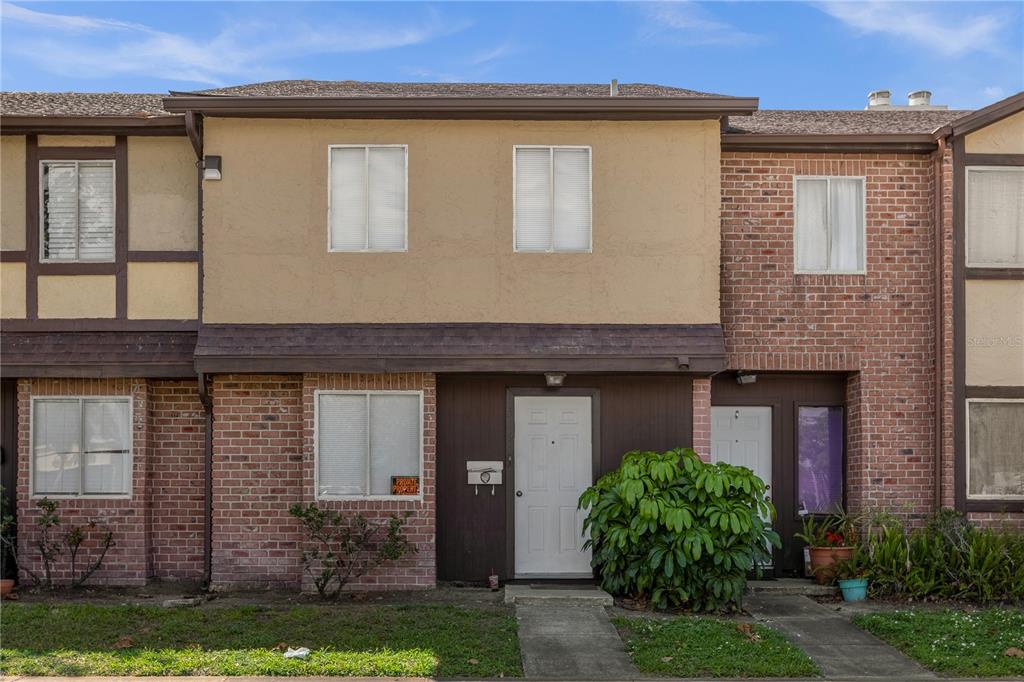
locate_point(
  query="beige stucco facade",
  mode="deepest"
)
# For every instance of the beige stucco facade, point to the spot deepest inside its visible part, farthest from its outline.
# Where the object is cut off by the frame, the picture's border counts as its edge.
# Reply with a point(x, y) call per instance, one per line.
point(12, 192)
point(995, 332)
point(77, 296)
point(12, 290)
point(163, 291)
point(162, 204)
point(1002, 137)
point(655, 226)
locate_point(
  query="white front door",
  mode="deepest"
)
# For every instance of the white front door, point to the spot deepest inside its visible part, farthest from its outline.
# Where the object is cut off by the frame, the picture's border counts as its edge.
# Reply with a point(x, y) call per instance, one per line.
point(553, 466)
point(742, 436)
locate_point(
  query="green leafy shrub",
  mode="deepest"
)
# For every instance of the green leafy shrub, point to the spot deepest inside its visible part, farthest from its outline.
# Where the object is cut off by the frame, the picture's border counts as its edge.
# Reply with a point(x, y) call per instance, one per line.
point(343, 547)
point(677, 531)
point(948, 558)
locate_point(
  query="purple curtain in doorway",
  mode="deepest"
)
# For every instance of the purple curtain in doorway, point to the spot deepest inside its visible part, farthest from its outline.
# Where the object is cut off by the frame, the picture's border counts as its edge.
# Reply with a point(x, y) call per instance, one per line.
point(819, 459)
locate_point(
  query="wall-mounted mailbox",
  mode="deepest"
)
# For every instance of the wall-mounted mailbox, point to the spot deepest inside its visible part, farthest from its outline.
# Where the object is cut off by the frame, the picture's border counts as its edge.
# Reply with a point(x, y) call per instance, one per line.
point(484, 473)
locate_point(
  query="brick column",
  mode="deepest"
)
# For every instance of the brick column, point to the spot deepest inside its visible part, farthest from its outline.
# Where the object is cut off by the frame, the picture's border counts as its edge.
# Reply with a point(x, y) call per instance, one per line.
point(702, 417)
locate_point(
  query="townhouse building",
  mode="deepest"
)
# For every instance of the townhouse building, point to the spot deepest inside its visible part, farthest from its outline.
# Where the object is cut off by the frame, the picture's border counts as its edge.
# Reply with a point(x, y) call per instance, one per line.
point(466, 302)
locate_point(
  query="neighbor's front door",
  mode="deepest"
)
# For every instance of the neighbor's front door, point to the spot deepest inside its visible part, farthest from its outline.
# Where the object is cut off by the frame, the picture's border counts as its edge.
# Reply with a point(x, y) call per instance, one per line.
point(553, 466)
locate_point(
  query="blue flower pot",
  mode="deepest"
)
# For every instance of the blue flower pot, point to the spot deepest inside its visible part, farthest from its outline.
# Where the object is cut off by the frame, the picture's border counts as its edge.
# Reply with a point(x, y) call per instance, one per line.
point(854, 590)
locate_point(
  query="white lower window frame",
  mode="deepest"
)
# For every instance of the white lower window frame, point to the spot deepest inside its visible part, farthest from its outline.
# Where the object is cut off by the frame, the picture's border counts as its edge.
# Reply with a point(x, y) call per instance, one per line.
point(316, 448)
point(551, 161)
point(863, 255)
point(81, 495)
point(967, 452)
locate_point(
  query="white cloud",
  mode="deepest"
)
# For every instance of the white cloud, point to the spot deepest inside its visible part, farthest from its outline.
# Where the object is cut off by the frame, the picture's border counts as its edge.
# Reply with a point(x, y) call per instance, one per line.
point(689, 24)
point(993, 93)
point(492, 54)
point(244, 50)
point(946, 34)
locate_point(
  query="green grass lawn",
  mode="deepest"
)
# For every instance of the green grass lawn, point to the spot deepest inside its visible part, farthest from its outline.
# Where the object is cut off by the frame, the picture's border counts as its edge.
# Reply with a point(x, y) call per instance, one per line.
point(345, 639)
point(954, 642)
point(697, 646)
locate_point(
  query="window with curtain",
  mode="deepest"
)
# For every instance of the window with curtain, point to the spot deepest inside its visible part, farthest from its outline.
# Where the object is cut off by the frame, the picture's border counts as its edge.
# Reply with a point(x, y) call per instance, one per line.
point(368, 444)
point(81, 446)
point(552, 199)
point(829, 220)
point(77, 211)
point(368, 198)
point(995, 449)
point(995, 217)
point(819, 459)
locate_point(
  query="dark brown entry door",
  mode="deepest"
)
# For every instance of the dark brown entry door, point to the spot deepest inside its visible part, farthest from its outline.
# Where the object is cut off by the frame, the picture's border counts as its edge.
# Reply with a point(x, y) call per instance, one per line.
point(807, 444)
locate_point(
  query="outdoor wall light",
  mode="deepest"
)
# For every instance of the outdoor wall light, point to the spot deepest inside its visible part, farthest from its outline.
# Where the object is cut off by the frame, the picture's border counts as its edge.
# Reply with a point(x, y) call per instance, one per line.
point(554, 379)
point(744, 379)
point(211, 168)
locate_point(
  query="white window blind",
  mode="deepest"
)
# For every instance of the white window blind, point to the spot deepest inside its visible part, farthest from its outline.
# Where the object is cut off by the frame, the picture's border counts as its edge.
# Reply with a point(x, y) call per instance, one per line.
point(81, 446)
point(552, 199)
point(368, 198)
point(995, 449)
point(78, 209)
point(829, 224)
point(363, 439)
point(995, 217)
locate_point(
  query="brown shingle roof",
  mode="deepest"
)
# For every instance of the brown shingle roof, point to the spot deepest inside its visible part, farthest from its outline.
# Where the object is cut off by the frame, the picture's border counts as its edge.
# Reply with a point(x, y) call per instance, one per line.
point(93, 353)
point(838, 122)
point(437, 347)
point(314, 88)
point(90, 104)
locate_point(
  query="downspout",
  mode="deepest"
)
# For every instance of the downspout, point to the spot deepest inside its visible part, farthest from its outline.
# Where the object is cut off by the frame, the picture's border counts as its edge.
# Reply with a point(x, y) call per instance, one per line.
point(194, 130)
point(939, 316)
point(207, 401)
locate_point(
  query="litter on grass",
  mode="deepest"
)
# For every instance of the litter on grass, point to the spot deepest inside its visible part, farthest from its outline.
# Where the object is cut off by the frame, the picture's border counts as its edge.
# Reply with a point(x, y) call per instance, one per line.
point(301, 652)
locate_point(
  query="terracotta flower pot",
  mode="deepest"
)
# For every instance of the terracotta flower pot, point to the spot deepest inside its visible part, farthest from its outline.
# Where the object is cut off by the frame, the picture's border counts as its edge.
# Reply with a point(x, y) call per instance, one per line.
point(6, 587)
point(823, 560)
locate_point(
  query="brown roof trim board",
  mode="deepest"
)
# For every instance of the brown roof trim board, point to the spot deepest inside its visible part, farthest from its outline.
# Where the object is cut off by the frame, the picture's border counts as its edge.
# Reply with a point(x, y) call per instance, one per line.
point(984, 117)
point(584, 108)
point(92, 125)
point(881, 142)
point(463, 347)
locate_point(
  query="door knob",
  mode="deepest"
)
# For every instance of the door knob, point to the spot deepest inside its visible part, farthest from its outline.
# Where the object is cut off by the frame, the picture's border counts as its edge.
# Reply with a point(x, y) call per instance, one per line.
point(519, 493)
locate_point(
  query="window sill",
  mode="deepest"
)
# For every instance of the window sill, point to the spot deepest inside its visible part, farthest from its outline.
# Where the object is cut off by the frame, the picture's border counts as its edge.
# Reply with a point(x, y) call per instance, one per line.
point(56, 496)
point(832, 273)
point(368, 251)
point(369, 498)
point(1008, 505)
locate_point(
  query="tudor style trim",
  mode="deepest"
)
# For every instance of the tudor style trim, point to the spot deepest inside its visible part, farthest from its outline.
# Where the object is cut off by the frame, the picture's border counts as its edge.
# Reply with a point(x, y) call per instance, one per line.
point(984, 117)
point(507, 108)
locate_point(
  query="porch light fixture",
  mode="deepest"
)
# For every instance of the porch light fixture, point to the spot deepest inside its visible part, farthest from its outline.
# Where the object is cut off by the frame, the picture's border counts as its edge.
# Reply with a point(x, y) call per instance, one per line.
point(211, 168)
point(744, 379)
point(554, 379)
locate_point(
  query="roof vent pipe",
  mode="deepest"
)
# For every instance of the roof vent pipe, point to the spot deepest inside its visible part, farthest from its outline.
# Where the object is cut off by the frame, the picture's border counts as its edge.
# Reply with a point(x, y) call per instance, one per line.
point(879, 98)
point(919, 98)
point(614, 89)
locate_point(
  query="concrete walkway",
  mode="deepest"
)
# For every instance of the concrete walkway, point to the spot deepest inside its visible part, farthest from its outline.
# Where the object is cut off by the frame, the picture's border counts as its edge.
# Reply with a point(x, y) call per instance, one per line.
point(841, 649)
point(565, 634)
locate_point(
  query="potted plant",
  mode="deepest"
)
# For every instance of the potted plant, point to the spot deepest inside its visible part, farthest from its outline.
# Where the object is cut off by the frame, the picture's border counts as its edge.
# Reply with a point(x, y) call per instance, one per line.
point(852, 576)
point(830, 539)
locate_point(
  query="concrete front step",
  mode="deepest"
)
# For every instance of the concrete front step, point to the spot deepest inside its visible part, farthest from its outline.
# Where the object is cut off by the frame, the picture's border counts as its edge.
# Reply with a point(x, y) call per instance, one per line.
point(799, 586)
point(583, 595)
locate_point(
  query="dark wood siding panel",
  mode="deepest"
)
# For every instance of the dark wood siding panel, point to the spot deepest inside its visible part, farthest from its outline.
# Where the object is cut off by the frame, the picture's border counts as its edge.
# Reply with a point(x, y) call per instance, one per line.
point(637, 412)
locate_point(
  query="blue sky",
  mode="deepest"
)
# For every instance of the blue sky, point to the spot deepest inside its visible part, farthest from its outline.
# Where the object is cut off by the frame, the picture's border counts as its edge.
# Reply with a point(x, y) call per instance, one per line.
point(790, 54)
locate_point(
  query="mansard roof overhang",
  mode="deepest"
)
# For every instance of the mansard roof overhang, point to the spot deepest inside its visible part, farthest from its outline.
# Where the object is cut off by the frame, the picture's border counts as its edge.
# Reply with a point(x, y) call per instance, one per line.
point(92, 125)
point(815, 142)
point(494, 108)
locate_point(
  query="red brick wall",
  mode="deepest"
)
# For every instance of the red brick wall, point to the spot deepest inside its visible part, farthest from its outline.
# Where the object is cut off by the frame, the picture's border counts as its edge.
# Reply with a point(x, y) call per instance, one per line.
point(176, 430)
point(877, 327)
point(264, 462)
point(702, 417)
point(127, 561)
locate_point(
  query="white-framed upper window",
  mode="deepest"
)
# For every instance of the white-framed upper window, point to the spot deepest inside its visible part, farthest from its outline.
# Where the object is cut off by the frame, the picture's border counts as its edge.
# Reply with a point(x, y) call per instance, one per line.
point(76, 211)
point(552, 199)
point(829, 224)
point(367, 197)
point(369, 444)
point(995, 448)
point(81, 447)
point(995, 216)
